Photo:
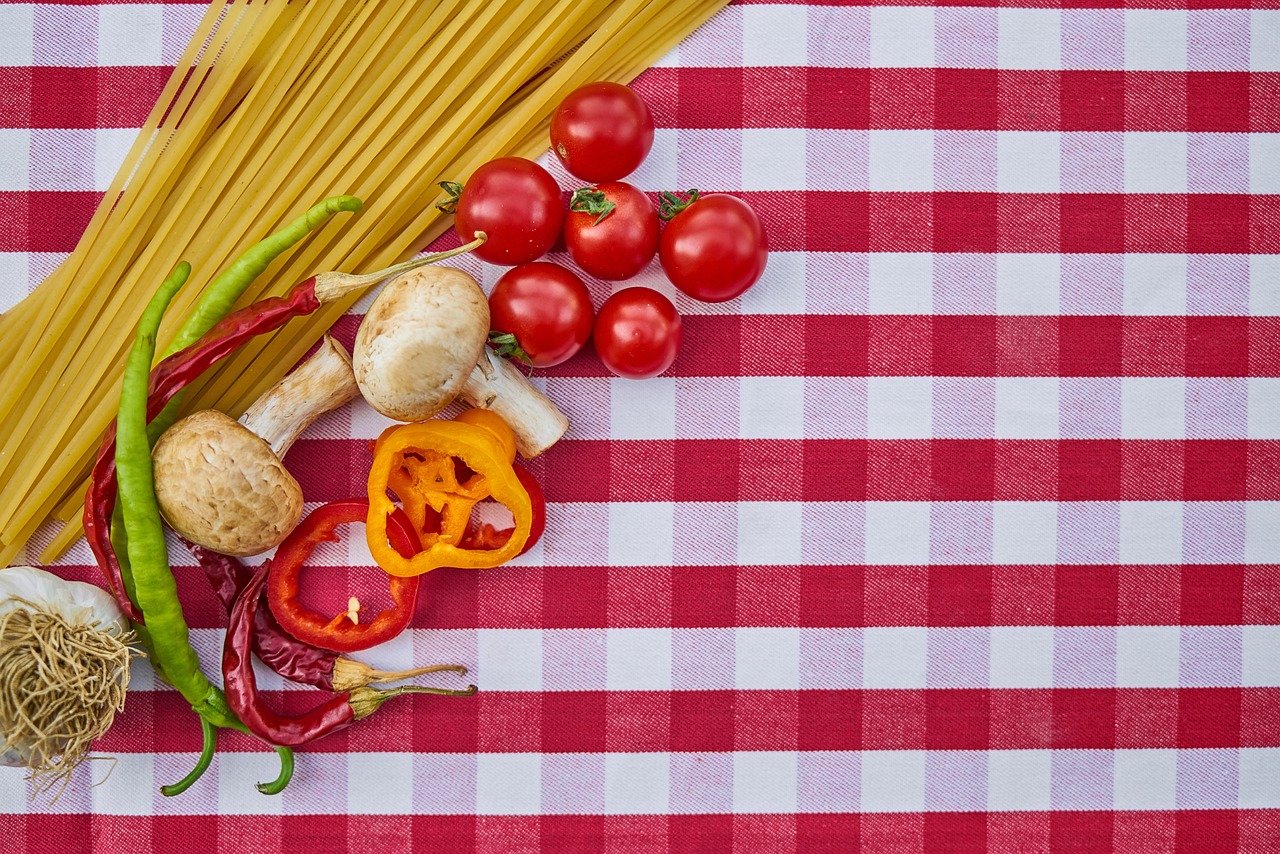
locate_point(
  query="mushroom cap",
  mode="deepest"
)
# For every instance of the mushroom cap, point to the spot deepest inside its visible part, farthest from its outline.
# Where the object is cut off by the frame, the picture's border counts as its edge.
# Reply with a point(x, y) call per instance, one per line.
point(419, 341)
point(220, 486)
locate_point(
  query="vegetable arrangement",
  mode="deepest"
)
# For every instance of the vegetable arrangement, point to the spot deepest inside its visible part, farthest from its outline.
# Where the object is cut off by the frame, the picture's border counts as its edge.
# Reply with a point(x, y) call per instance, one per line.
point(713, 247)
point(430, 337)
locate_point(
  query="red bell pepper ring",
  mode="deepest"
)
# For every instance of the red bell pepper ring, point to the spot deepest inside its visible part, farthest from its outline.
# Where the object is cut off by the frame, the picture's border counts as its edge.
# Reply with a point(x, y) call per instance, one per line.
point(485, 536)
point(339, 633)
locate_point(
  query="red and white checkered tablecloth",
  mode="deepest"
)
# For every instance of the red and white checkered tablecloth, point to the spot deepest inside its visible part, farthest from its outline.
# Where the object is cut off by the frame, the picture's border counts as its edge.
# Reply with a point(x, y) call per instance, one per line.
point(961, 530)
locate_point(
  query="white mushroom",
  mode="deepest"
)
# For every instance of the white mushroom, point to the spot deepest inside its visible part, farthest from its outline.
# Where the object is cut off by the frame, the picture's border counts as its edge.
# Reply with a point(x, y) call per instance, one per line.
point(422, 344)
point(221, 483)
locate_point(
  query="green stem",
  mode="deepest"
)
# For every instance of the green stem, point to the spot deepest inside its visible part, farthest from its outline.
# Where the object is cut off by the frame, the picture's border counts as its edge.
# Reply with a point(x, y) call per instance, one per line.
point(277, 785)
point(210, 733)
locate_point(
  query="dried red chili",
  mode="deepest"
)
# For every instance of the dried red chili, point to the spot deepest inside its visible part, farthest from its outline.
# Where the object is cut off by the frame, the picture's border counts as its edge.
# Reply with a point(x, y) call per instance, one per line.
point(242, 687)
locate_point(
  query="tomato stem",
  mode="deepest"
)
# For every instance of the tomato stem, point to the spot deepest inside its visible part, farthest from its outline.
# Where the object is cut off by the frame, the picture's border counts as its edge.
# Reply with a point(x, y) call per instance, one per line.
point(591, 200)
point(671, 204)
point(508, 346)
point(450, 205)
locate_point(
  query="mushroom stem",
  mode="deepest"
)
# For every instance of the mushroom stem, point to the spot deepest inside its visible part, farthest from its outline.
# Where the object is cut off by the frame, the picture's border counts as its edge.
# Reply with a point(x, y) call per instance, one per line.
point(497, 385)
point(319, 385)
point(331, 286)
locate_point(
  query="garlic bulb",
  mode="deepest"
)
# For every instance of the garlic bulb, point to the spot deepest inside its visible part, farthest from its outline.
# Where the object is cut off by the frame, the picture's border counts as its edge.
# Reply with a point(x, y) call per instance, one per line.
point(64, 669)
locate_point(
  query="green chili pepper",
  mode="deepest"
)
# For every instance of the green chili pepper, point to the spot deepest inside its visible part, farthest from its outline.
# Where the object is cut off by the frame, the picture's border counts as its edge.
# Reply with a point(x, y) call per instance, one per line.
point(221, 294)
point(154, 588)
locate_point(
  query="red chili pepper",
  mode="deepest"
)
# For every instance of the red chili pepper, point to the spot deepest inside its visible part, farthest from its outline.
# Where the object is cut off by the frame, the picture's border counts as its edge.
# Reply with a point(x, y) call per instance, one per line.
point(340, 633)
point(242, 687)
point(167, 379)
point(285, 654)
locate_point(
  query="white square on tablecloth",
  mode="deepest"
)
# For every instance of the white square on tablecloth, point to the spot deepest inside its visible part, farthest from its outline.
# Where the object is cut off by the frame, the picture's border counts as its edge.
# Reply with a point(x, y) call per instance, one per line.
point(1028, 162)
point(131, 34)
point(1026, 408)
point(773, 158)
point(1027, 283)
point(895, 657)
point(1022, 656)
point(1146, 779)
point(767, 659)
point(1155, 40)
point(1019, 780)
point(770, 532)
point(1264, 283)
point(1262, 532)
point(509, 659)
point(1151, 532)
point(1148, 656)
point(893, 781)
point(1260, 657)
point(1030, 38)
point(660, 169)
point(1259, 778)
point(638, 660)
point(900, 283)
point(897, 532)
point(775, 35)
point(642, 410)
point(1264, 31)
point(901, 160)
point(1155, 284)
point(637, 783)
point(236, 794)
point(110, 148)
point(15, 270)
point(901, 37)
point(1264, 159)
point(17, 35)
point(1153, 408)
point(1264, 408)
point(366, 775)
point(1024, 532)
point(900, 407)
point(15, 157)
point(771, 407)
point(508, 783)
point(1155, 162)
point(124, 785)
point(765, 782)
point(781, 288)
point(640, 533)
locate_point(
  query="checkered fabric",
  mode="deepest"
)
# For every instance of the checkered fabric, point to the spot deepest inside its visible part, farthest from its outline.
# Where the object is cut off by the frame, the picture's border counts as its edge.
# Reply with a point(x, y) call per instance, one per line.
point(961, 530)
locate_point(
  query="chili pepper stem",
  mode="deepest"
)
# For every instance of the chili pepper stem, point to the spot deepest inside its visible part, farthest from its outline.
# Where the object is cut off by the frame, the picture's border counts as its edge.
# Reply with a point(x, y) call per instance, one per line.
point(210, 735)
point(365, 701)
point(277, 785)
point(331, 286)
point(349, 674)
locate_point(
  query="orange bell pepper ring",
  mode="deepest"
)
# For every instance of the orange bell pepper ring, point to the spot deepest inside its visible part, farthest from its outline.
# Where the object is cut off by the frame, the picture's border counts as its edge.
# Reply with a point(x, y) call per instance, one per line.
point(439, 471)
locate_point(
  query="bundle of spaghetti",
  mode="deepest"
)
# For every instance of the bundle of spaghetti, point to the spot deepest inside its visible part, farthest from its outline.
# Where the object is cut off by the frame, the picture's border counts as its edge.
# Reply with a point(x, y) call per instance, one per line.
point(273, 106)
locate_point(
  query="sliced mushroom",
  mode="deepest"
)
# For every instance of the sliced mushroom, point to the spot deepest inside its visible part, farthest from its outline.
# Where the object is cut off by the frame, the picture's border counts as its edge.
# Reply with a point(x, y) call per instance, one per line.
point(422, 344)
point(221, 483)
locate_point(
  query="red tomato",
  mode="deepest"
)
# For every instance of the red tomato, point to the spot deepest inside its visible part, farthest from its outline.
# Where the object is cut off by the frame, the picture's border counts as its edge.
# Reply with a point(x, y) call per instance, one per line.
point(516, 203)
point(611, 230)
point(637, 333)
point(601, 131)
point(715, 248)
point(546, 308)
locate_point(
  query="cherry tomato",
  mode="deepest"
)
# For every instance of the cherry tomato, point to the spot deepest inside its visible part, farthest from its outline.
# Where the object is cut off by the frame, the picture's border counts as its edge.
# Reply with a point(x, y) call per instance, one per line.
point(611, 230)
point(515, 202)
point(713, 247)
point(601, 131)
point(637, 333)
point(540, 313)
